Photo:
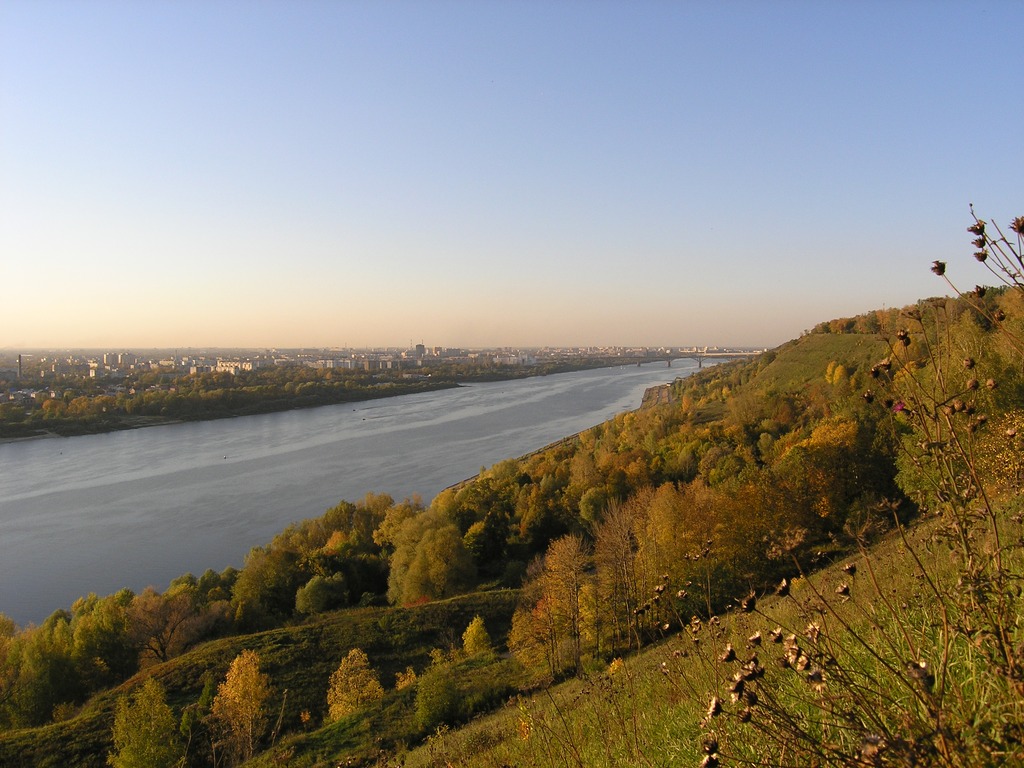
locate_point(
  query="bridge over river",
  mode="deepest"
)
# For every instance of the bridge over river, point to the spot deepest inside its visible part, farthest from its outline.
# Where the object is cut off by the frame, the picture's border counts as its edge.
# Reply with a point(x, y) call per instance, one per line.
point(700, 354)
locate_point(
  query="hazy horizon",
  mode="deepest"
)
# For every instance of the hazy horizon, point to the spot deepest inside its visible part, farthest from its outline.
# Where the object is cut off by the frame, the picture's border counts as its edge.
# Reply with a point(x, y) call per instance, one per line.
point(504, 174)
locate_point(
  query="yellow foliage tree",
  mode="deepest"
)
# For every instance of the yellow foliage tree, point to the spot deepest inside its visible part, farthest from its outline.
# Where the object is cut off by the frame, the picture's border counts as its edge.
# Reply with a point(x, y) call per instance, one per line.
point(354, 685)
point(238, 708)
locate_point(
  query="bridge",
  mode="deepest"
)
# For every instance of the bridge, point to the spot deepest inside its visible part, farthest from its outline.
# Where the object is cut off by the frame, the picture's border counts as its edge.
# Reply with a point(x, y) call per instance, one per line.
point(700, 354)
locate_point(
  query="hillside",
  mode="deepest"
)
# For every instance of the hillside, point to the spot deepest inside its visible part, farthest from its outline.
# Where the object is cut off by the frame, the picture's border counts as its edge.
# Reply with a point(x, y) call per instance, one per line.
point(636, 562)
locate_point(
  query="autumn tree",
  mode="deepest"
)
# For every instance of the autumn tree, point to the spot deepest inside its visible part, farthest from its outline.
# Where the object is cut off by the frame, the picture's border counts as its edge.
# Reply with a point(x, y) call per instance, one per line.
point(550, 623)
point(161, 625)
point(238, 710)
point(145, 733)
point(354, 685)
point(617, 584)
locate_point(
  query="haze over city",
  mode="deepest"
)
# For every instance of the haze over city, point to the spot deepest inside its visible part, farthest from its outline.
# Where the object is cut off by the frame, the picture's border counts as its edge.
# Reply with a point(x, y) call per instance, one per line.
point(366, 174)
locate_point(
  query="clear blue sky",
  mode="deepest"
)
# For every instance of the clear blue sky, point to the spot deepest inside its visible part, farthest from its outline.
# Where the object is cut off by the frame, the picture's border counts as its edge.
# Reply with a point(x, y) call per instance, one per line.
point(470, 173)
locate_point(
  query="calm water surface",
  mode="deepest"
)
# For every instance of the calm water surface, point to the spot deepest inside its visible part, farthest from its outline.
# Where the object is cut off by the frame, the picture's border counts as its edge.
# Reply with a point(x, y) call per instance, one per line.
point(137, 508)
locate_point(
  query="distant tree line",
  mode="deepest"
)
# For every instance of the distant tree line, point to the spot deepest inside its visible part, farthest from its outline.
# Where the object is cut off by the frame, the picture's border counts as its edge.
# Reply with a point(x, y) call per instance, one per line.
point(84, 405)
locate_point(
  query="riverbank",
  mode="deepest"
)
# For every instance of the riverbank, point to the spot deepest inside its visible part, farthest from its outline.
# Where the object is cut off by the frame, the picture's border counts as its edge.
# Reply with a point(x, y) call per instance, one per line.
point(140, 507)
point(177, 408)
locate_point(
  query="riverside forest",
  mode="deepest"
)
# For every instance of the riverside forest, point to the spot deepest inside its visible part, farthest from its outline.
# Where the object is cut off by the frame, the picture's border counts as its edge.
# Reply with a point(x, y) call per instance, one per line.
point(812, 557)
point(75, 403)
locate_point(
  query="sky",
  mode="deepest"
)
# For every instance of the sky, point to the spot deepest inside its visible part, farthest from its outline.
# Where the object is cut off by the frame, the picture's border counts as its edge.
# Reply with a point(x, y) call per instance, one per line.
point(483, 173)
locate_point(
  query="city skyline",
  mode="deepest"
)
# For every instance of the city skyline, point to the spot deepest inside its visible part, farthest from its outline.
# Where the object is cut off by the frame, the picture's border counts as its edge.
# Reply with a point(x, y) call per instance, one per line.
point(237, 175)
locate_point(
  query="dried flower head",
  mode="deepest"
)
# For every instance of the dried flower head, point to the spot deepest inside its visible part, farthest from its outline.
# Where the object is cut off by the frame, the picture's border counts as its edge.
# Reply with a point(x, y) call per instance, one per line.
point(871, 748)
point(991, 384)
point(939, 268)
point(736, 689)
point(812, 632)
point(816, 677)
point(748, 603)
point(710, 761)
point(715, 707)
point(977, 228)
point(776, 635)
point(710, 745)
point(1017, 225)
point(999, 315)
point(921, 674)
point(980, 291)
point(843, 590)
point(850, 568)
point(755, 639)
point(783, 589)
point(972, 383)
point(729, 654)
point(981, 255)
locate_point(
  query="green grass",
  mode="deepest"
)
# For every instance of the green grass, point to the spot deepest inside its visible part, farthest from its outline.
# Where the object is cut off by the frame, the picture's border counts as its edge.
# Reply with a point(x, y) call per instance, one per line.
point(806, 359)
point(652, 711)
point(299, 660)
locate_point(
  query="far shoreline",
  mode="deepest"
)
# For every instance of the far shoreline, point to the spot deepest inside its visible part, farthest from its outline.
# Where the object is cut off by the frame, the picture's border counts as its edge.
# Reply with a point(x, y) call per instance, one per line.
point(108, 428)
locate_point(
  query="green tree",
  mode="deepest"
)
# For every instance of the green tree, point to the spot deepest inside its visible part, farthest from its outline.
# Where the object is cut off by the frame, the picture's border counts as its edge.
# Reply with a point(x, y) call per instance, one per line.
point(145, 733)
point(430, 560)
point(104, 651)
point(476, 640)
point(321, 594)
point(354, 685)
point(438, 699)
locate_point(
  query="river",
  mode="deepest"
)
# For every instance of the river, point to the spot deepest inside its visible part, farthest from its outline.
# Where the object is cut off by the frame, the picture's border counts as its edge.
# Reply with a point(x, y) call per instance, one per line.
point(129, 509)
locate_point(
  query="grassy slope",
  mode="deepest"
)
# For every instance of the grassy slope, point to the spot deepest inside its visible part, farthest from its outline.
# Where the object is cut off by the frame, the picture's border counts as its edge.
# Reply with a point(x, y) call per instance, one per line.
point(806, 359)
point(652, 710)
point(298, 659)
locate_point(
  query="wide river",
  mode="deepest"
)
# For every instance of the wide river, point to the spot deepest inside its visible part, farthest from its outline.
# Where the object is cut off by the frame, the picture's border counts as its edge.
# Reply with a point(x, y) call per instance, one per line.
point(141, 507)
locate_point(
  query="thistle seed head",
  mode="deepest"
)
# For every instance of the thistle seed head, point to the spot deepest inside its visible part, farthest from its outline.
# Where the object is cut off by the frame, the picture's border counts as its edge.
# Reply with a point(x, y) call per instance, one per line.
point(921, 674)
point(715, 707)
